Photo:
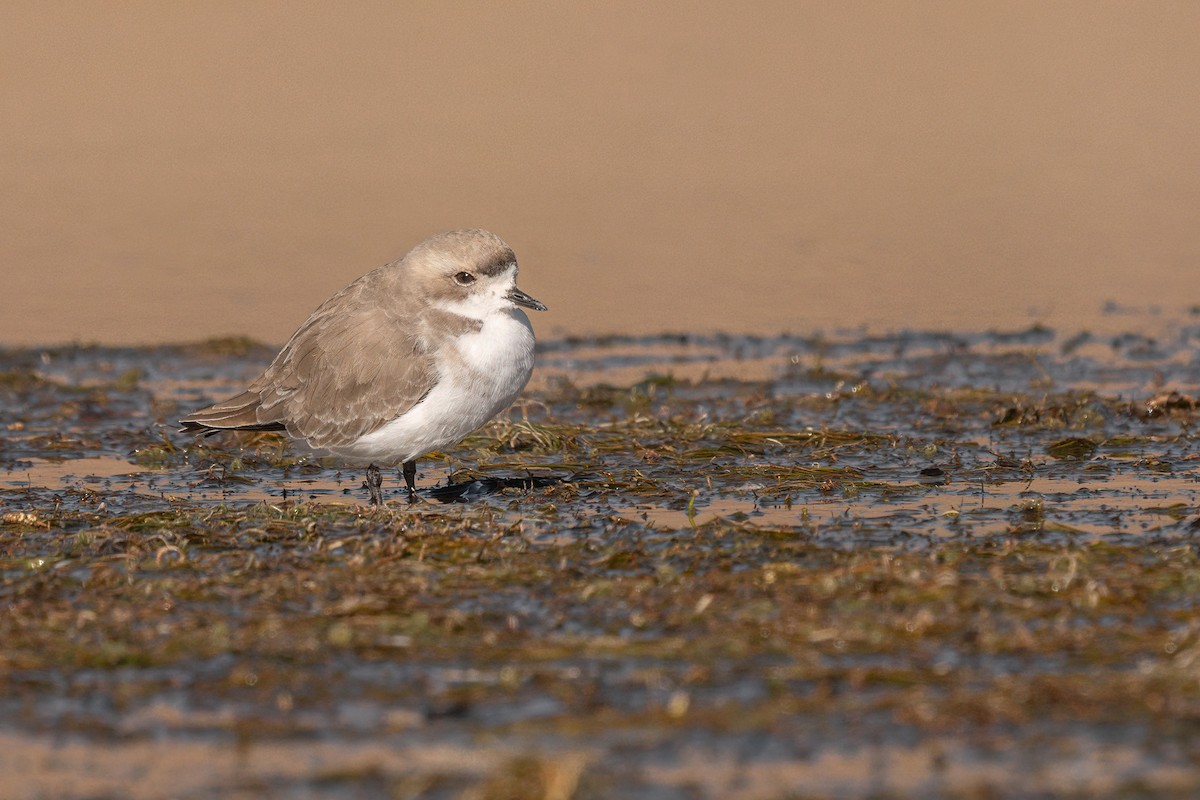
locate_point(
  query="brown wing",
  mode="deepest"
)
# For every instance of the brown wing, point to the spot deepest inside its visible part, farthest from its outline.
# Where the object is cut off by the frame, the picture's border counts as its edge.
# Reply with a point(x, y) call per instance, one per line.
point(352, 367)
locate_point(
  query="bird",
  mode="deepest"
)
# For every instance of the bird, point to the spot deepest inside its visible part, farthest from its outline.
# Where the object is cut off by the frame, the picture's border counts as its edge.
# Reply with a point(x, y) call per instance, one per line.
point(405, 360)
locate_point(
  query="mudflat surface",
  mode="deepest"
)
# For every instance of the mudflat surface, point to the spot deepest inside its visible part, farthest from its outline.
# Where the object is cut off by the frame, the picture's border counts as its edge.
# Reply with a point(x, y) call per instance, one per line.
point(175, 172)
point(920, 522)
point(948, 566)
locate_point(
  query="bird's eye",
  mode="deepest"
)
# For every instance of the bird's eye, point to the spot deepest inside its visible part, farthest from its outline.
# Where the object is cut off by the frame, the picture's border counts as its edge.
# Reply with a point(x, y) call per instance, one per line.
point(464, 279)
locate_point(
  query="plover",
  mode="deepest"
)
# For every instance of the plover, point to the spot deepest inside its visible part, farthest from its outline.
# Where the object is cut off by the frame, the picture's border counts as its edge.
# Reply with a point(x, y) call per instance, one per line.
point(408, 359)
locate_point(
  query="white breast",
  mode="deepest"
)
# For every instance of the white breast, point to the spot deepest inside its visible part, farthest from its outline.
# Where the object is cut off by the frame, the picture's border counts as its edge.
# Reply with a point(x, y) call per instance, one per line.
point(482, 373)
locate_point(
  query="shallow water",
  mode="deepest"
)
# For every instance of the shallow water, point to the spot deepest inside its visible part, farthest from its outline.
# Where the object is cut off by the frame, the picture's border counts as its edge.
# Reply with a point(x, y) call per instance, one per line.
point(916, 564)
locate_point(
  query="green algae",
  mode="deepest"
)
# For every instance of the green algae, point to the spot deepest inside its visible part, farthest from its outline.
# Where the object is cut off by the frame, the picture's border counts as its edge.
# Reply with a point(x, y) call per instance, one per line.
point(697, 564)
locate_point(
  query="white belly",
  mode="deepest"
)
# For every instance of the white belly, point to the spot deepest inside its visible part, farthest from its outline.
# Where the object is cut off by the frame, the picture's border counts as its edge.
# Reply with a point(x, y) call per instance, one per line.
point(484, 372)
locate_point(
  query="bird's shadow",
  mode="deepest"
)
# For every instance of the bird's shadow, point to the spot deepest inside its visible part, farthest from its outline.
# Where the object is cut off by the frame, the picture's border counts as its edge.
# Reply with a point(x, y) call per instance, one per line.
point(477, 488)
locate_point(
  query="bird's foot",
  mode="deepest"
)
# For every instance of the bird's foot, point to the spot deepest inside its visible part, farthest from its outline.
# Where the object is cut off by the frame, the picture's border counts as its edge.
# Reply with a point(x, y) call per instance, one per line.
point(374, 485)
point(409, 472)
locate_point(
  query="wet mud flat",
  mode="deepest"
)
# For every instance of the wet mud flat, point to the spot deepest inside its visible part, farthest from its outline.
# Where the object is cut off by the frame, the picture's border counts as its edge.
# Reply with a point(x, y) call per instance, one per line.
point(681, 567)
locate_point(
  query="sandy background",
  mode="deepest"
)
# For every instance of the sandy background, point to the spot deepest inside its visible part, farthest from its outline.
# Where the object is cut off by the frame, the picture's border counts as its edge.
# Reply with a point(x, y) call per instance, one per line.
point(173, 171)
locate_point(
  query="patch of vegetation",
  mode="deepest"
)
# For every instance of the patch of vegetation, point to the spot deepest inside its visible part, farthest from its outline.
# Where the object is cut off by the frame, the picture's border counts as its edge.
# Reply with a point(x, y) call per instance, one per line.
point(671, 561)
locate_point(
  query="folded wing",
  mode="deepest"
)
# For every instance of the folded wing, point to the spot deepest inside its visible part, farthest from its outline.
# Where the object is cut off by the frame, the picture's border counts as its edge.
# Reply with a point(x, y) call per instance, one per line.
point(349, 370)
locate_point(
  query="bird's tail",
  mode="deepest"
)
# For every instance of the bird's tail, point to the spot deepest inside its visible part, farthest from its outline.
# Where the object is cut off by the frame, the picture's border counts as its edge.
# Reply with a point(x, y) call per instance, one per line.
point(235, 414)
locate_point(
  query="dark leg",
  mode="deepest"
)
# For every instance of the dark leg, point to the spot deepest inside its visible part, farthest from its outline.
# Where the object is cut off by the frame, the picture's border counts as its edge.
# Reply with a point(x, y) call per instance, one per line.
point(374, 485)
point(410, 479)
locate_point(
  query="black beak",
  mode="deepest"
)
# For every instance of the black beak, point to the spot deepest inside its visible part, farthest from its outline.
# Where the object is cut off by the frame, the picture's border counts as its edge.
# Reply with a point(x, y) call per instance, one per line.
point(522, 299)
